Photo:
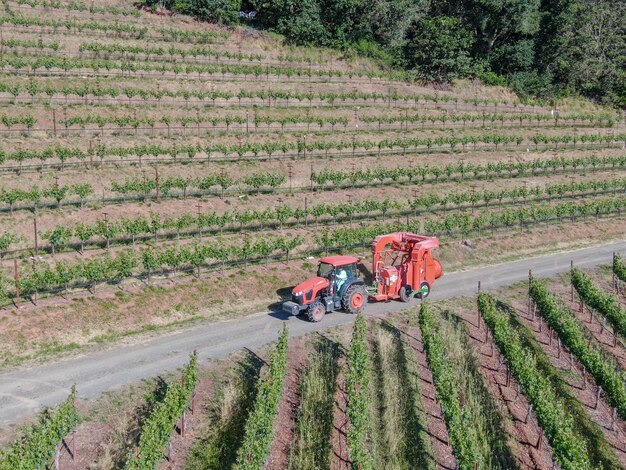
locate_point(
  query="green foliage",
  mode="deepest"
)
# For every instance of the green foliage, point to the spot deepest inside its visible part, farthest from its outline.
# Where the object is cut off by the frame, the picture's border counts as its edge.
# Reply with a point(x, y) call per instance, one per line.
point(6, 240)
point(119, 28)
point(572, 334)
point(156, 431)
point(542, 47)
point(492, 140)
point(76, 5)
point(619, 268)
point(438, 49)
point(606, 304)
point(569, 450)
point(357, 385)
point(260, 430)
point(37, 445)
point(215, 11)
point(448, 393)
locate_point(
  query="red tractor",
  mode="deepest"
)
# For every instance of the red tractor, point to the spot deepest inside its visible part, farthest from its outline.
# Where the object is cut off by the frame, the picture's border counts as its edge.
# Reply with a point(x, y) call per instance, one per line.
point(403, 267)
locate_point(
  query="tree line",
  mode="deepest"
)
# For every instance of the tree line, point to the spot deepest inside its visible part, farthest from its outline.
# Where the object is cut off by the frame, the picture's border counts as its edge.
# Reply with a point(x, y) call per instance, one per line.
point(546, 48)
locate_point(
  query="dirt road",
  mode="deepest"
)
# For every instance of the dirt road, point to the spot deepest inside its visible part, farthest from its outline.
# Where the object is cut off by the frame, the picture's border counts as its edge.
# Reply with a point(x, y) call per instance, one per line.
point(25, 391)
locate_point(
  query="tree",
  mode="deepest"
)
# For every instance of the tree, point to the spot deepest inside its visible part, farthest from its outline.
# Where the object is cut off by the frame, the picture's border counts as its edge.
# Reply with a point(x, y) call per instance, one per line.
point(581, 45)
point(215, 11)
point(300, 21)
point(438, 49)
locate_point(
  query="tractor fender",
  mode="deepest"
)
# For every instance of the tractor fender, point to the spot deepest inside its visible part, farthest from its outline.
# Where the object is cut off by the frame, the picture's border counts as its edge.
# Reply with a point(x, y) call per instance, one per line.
point(351, 282)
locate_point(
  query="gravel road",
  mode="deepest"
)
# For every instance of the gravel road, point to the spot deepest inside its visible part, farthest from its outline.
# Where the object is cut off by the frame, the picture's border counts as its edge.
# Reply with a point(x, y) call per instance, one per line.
point(23, 392)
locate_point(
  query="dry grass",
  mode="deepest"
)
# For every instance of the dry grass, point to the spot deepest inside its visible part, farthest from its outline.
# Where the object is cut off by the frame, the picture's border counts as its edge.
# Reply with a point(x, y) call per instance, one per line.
point(217, 444)
point(402, 439)
point(125, 425)
point(311, 448)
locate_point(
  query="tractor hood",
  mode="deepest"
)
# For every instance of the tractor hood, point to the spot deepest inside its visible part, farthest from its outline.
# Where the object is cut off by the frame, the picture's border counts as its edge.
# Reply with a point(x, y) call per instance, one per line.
point(309, 288)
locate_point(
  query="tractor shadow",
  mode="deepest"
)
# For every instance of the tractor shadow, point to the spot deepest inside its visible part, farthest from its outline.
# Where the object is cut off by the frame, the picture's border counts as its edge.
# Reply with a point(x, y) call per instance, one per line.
point(276, 308)
point(365, 273)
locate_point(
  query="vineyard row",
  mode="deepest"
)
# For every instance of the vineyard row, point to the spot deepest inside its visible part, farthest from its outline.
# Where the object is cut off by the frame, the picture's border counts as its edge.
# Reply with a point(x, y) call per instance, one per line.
point(222, 183)
point(107, 28)
point(576, 338)
point(76, 5)
point(569, 450)
point(131, 229)
point(142, 189)
point(294, 149)
point(244, 123)
point(213, 255)
point(206, 97)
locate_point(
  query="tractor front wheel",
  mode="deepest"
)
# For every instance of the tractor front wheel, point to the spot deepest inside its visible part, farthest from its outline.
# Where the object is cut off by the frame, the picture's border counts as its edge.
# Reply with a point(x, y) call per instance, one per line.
point(316, 311)
point(354, 299)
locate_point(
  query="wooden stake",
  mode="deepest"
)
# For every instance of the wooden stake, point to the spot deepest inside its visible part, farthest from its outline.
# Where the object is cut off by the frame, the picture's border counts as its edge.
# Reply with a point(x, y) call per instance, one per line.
point(571, 283)
point(528, 413)
point(17, 279)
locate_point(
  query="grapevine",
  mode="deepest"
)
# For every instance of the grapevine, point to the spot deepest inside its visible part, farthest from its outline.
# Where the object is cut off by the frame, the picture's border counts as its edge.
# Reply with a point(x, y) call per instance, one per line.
point(606, 304)
point(157, 429)
point(259, 430)
point(619, 268)
point(357, 384)
point(39, 442)
point(448, 394)
point(572, 334)
point(569, 449)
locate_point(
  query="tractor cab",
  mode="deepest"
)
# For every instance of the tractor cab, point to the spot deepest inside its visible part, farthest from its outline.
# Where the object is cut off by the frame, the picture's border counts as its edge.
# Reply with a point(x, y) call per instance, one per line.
point(337, 285)
point(340, 271)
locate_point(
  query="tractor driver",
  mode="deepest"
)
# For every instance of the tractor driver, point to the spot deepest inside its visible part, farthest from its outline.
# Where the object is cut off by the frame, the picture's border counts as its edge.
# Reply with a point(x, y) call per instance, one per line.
point(341, 278)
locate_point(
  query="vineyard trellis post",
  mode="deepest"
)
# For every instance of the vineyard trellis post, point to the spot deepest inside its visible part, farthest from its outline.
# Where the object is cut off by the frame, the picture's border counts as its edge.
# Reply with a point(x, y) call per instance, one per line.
point(571, 268)
point(16, 274)
point(530, 278)
point(54, 121)
point(306, 213)
point(35, 234)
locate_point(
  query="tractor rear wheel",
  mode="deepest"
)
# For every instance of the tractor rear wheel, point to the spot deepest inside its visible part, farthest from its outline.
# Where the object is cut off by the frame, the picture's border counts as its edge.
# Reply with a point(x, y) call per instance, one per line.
point(405, 293)
point(354, 299)
point(426, 288)
point(316, 311)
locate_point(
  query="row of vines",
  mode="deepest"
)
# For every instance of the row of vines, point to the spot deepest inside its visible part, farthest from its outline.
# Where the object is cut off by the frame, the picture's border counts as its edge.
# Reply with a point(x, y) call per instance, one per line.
point(305, 147)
